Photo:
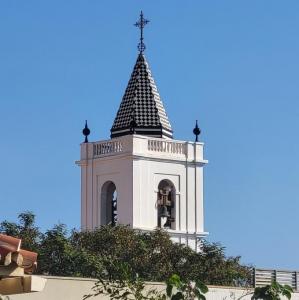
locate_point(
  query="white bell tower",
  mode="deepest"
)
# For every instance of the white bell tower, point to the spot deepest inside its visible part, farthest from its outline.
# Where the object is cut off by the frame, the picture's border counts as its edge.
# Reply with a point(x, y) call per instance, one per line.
point(142, 176)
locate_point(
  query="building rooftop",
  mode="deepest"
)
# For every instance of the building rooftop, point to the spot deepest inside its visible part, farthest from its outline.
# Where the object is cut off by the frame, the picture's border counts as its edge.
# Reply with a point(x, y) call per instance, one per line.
point(141, 110)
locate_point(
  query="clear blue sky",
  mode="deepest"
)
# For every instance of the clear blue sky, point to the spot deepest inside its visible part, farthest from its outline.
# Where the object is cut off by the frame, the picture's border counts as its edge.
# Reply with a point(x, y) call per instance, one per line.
point(231, 64)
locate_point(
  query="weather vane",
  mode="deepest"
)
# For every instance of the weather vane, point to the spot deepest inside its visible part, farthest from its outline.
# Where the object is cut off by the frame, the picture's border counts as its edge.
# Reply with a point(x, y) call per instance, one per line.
point(140, 24)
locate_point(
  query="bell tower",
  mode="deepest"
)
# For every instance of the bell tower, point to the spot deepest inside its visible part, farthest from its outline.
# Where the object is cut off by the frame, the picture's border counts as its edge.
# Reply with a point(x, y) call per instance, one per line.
point(141, 176)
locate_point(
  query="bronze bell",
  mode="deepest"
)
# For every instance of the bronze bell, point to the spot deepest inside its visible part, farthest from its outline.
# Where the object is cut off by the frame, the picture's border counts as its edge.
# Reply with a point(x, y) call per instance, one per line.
point(164, 212)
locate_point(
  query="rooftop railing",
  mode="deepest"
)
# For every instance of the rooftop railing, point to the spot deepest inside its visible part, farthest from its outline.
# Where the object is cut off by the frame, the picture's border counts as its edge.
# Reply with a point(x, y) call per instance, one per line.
point(107, 147)
point(153, 145)
point(166, 146)
point(262, 277)
point(140, 145)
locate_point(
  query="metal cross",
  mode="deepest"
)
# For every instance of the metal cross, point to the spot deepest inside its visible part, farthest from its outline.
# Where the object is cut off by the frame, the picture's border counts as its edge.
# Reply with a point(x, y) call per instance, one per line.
point(140, 24)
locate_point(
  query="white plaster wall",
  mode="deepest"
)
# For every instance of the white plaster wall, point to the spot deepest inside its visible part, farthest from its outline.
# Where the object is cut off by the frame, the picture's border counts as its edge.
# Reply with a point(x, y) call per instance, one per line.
point(86, 186)
point(117, 170)
point(148, 173)
point(88, 195)
point(83, 198)
point(94, 175)
point(199, 191)
point(61, 288)
point(65, 288)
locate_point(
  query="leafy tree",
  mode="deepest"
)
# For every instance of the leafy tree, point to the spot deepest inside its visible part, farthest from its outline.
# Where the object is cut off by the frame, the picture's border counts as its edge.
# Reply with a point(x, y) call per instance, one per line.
point(184, 289)
point(154, 257)
point(57, 256)
point(128, 287)
point(215, 268)
point(123, 258)
point(176, 289)
point(55, 252)
point(25, 230)
point(273, 291)
point(122, 253)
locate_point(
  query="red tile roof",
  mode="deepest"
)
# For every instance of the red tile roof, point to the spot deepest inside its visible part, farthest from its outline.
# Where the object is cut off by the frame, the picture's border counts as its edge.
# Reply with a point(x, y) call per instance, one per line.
point(12, 256)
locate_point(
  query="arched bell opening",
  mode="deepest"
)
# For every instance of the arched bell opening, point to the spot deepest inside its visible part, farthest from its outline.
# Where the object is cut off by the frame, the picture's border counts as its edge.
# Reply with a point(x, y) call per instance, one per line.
point(108, 204)
point(166, 204)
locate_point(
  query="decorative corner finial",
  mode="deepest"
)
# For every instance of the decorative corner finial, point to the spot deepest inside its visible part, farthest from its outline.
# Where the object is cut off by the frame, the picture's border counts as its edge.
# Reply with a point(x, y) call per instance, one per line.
point(196, 131)
point(140, 24)
point(86, 132)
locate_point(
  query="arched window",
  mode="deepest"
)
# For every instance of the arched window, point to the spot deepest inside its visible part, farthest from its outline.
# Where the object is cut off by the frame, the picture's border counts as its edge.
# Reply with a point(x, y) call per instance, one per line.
point(108, 204)
point(166, 204)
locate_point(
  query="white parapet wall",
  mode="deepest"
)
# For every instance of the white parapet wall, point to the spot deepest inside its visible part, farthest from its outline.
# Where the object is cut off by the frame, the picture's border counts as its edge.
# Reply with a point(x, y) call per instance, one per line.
point(70, 288)
point(21, 285)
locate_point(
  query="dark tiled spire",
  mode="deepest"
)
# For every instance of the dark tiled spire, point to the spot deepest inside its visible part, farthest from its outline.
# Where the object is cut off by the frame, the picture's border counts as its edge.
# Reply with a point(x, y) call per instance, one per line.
point(142, 97)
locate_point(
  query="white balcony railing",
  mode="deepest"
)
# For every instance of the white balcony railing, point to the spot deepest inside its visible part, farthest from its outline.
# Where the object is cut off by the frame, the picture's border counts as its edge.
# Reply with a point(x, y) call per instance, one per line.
point(166, 146)
point(107, 147)
point(144, 146)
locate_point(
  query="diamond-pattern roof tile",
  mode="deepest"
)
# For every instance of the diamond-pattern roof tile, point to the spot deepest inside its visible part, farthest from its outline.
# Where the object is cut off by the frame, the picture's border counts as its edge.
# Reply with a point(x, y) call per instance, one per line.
point(142, 100)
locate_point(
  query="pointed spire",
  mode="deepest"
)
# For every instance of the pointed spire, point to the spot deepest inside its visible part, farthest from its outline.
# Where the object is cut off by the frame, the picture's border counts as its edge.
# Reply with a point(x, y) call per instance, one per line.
point(196, 131)
point(86, 132)
point(141, 110)
point(142, 98)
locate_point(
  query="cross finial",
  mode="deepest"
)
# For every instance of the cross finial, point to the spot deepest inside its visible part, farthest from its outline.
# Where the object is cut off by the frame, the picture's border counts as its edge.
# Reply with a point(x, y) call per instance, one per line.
point(140, 24)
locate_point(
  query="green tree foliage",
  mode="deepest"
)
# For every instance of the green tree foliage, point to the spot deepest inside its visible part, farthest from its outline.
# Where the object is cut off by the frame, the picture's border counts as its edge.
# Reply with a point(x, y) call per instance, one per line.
point(178, 289)
point(25, 230)
point(128, 289)
point(121, 253)
point(59, 256)
point(273, 291)
point(125, 289)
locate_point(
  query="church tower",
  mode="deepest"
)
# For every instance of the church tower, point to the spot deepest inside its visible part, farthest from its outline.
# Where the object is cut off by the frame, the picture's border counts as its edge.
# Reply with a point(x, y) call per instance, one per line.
point(142, 176)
